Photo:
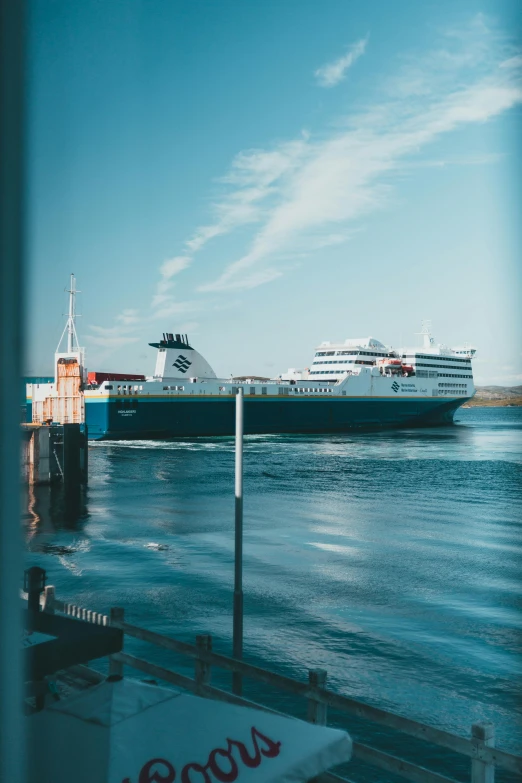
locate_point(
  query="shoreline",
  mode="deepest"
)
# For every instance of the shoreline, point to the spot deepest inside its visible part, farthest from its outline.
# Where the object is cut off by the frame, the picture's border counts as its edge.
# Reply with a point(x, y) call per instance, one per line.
point(514, 402)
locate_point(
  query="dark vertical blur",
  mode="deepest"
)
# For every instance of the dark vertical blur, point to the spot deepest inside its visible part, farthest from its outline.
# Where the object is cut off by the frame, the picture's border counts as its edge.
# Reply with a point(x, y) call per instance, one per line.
point(12, 198)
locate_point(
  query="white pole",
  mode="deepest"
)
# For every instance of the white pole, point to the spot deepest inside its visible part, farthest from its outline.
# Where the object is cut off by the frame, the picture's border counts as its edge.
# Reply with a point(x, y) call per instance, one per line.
point(237, 635)
point(70, 323)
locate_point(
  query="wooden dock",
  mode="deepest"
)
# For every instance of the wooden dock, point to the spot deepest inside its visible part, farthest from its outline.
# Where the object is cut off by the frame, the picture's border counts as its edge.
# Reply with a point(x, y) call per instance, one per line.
point(477, 752)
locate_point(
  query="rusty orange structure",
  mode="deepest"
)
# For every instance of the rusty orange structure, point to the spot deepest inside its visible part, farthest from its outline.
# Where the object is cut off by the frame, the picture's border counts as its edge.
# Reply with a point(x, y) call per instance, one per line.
point(65, 403)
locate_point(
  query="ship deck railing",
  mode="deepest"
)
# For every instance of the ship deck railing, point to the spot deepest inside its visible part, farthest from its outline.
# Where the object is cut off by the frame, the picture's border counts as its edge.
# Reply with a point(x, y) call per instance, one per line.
point(474, 758)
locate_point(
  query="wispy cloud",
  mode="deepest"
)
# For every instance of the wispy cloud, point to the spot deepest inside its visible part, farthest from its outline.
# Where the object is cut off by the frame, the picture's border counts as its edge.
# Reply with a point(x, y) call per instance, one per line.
point(127, 317)
point(173, 266)
point(129, 326)
point(314, 190)
point(169, 268)
point(330, 74)
point(252, 179)
point(340, 176)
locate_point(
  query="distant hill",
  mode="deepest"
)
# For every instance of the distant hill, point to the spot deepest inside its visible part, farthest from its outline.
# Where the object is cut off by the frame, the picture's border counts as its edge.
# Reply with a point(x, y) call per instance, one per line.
point(498, 392)
point(497, 396)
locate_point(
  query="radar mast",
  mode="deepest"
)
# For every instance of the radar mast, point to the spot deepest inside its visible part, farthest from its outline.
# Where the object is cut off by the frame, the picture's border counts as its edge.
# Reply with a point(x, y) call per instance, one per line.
point(70, 326)
point(425, 333)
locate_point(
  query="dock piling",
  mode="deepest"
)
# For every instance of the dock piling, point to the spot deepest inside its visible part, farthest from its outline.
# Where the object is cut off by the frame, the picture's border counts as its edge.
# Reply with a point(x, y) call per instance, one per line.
point(55, 453)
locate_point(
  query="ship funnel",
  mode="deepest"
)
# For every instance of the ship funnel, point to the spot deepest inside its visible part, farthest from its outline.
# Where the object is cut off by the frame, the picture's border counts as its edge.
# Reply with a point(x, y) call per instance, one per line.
point(176, 358)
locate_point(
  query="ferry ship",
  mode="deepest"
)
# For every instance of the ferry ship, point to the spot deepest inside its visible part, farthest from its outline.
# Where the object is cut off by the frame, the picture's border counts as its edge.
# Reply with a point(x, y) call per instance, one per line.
point(352, 385)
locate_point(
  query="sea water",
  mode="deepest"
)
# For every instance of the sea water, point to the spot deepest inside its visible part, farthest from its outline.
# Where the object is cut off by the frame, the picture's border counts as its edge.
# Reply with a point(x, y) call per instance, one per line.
point(392, 559)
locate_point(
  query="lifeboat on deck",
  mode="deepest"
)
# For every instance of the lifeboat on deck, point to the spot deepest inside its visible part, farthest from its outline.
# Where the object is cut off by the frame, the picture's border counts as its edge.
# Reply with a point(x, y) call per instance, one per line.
point(388, 365)
point(385, 362)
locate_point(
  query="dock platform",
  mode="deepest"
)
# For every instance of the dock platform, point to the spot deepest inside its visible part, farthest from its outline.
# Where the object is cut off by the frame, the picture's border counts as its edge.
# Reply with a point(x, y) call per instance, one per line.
point(55, 453)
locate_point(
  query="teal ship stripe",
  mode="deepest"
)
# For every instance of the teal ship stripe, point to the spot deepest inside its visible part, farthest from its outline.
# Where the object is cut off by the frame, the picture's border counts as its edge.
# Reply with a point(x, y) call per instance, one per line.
point(157, 418)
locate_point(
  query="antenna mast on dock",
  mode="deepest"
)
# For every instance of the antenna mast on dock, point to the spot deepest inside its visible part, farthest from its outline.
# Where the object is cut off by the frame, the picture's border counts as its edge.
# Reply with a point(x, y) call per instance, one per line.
point(70, 327)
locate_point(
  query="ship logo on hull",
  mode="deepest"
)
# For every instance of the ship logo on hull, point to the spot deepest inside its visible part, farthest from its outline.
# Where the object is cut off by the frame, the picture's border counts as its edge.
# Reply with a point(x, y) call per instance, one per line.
point(182, 363)
point(395, 387)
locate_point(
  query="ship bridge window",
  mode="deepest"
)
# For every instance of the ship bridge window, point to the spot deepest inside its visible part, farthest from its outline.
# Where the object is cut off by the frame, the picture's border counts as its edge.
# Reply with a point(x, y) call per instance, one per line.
point(165, 388)
point(108, 388)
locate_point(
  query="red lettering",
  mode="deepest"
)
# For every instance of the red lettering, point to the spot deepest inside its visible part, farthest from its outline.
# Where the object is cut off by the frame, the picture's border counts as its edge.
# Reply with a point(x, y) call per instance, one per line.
point(148, 775)
point(164, 772)
point(219, 774)
point(186, 777)
point(271, 749)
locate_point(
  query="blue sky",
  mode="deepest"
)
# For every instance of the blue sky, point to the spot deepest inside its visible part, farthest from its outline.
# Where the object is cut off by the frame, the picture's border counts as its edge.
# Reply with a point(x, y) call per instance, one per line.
point(266, 176)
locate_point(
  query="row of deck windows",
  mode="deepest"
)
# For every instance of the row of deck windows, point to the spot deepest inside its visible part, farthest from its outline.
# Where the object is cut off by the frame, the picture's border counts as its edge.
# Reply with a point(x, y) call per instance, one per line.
point(343, 361)
point(302, 391)
point(281, 390)
point(329, 372)
point(124, 389)
point(335, 361)
point(448, 375)
point(352, 353)
point(442, 366)
point(450, 391)
point(427, 356)
point(435, 374)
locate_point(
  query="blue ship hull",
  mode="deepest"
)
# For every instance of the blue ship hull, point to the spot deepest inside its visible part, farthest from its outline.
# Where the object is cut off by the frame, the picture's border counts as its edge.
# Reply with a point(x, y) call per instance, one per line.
point(157, 418)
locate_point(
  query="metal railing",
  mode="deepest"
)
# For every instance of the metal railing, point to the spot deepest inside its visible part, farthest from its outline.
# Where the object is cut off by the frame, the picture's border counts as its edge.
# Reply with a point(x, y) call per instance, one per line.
point(479, 748)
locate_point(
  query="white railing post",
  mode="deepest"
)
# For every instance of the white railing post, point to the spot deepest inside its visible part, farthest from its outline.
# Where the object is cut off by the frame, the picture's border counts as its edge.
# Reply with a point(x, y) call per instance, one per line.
point(49, 599)
point(316, 711)
point(482, 736)
point(202, 668)
point(117, 616)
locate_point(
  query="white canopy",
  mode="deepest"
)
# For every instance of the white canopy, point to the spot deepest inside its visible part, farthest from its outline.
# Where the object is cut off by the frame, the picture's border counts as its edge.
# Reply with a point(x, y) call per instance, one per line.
point(130, 732)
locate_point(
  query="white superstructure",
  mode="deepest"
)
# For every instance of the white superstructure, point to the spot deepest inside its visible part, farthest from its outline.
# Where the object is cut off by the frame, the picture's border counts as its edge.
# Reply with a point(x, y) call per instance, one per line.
point(439, 370)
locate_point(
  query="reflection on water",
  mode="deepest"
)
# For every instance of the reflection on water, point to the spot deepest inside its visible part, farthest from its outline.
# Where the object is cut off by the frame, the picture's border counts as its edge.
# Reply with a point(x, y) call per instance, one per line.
point(51, 509)
point(390, 559)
